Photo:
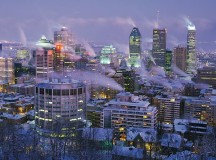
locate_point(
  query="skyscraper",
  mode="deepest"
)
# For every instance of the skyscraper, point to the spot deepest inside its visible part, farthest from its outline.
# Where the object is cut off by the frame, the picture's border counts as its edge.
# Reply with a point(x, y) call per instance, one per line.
point(64, 51)
point(191, 49)
point(64, 37)
point(180, 57)
point(44, 59)
point(135, 47)
point(159, 46)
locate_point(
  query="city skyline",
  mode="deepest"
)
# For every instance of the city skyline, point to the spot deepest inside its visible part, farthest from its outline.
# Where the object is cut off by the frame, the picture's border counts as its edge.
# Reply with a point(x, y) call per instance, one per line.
point(107, 21)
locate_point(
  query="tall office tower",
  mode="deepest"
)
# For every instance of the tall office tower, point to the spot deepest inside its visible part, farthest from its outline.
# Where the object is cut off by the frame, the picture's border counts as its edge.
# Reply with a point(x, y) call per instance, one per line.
point(191, 49)
point(6, 70)
point(64, 51)
point(59, 58)
point(159, 46)
point(135, 47)
point(44, 59)
point(180, 57)
point(168, 60)
point(59, 99)
point(64, 37)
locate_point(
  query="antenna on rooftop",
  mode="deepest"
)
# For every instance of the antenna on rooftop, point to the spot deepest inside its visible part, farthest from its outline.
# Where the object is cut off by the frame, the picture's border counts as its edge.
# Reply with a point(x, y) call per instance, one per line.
point(157, 22)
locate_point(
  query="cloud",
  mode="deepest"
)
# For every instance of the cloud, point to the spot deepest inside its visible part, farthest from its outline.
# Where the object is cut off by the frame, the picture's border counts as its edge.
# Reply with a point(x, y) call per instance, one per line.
point(100, 20)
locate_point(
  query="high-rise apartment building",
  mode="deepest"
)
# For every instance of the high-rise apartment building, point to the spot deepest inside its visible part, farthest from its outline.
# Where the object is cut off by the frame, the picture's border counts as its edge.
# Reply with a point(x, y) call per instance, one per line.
point(180, 57)
point(168, 108)
point(191, 49)
point(159, 46)
point(135, 47)
point(127, 110)
point(201, 109)
point(63, 99)
point(44, 59)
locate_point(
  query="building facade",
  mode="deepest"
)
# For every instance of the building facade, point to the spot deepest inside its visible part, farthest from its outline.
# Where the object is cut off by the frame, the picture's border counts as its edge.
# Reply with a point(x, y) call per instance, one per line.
point(168, 109)
point(191, 50)
point(206, 75)
point(180, 57)
point(64, 37)
point(7, 70)
point(159, 46)
point(63, 99)
point(44, 59)
point(168, 61)
point(128, 111)
point(201, 109)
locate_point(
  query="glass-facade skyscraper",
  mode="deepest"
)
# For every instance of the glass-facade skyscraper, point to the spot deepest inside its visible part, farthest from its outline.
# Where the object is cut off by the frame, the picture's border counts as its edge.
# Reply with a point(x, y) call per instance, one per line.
point(159, 46)
point(135, 47)
point(191, 50)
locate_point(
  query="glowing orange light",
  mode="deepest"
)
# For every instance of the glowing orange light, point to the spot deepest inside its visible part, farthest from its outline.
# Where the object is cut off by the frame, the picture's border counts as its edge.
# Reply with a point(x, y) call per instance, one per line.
point(58, 47)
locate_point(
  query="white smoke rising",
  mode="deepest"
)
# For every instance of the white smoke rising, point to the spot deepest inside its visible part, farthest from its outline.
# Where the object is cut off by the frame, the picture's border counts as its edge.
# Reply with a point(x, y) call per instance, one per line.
point(107, 69)
point(187, 21)
point(95, 78)
point(152, 59)
point(73, 57)
point(89, 49)
point(129, 21)
point(156, 75)
point(178, 71)
point(189, 24)
point(23, 37)
point(122, 47)
point(157, 70)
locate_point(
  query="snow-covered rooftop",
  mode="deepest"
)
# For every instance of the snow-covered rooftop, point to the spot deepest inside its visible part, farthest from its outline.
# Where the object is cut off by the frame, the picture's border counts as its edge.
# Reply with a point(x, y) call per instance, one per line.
point(148, 135)
point(11, 116)
point(185, 155)
point(171, 140)
point(136, 153)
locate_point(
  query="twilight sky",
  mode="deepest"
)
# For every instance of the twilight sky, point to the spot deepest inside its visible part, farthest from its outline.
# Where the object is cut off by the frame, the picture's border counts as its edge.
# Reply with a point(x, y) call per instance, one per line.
point(108, 21)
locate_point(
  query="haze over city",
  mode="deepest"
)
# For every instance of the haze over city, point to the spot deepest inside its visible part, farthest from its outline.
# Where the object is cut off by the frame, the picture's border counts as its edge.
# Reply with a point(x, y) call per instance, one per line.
point(108, 21)
point(111, 80)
